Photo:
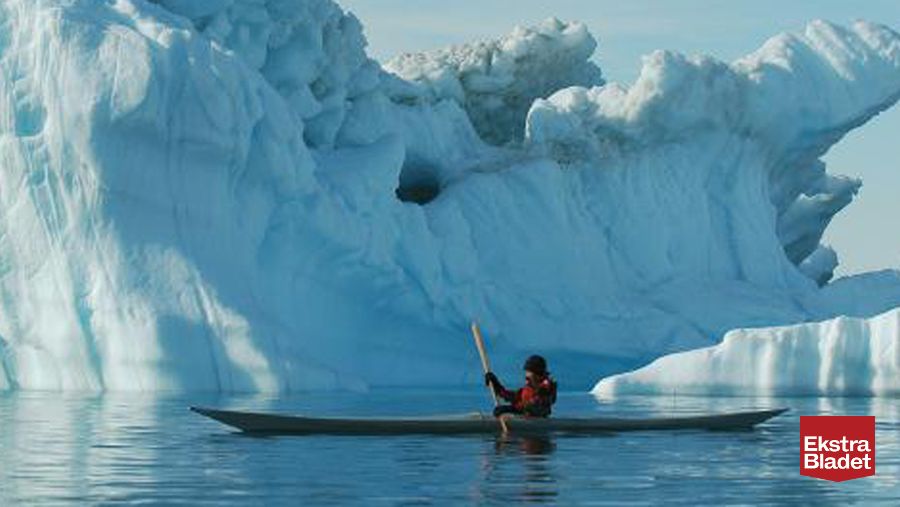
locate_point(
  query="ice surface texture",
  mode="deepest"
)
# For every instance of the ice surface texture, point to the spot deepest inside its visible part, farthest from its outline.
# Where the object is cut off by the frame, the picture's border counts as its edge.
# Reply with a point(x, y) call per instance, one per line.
point(843, 356)
point(497, 81)
point(230, 195)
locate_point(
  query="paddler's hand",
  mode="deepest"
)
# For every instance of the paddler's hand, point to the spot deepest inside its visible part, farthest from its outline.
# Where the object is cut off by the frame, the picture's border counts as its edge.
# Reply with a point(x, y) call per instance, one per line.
point(491, 380)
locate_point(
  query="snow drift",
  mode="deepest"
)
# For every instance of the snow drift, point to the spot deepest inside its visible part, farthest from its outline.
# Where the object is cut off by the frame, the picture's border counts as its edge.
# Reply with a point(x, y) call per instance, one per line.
point(843, 356)
point(231, 195)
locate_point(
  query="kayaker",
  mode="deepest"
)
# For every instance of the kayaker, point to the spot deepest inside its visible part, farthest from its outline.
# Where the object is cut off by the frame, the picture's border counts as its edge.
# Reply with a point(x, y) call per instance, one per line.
point(535, 399)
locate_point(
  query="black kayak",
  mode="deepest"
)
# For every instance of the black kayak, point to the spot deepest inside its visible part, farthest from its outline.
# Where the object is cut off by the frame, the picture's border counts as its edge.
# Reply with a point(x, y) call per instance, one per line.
point(275, 424)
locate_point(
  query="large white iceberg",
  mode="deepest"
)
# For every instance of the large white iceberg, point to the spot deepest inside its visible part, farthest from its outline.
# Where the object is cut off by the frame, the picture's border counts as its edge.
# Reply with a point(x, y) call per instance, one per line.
point(231, 195)
point(843, 356)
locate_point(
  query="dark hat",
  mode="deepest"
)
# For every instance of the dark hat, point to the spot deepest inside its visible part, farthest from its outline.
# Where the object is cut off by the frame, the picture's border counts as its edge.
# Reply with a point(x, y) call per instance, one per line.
point(536, 364)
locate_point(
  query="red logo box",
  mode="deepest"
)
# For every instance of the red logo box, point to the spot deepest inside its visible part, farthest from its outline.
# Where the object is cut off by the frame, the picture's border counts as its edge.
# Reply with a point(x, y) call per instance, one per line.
point(837, 447)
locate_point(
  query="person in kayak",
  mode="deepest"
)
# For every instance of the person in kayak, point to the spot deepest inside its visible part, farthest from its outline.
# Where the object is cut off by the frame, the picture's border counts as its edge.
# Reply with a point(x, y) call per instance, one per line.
point(535, 399)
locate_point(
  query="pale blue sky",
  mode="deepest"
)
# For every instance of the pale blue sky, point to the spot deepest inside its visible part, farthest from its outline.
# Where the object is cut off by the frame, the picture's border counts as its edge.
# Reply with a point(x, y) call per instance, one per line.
point(866, 234)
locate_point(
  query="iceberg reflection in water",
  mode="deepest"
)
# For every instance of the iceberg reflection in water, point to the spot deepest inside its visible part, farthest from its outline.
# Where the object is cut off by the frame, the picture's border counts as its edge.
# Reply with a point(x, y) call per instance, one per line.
point(111, 448)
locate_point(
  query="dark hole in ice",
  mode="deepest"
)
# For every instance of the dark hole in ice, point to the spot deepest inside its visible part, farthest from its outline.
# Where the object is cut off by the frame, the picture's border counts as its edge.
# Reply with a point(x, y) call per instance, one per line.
point(421, 193)
point(418, 184)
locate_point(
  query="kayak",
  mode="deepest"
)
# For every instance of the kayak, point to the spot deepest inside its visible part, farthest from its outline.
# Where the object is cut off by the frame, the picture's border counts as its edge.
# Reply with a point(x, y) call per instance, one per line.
point(276, 424)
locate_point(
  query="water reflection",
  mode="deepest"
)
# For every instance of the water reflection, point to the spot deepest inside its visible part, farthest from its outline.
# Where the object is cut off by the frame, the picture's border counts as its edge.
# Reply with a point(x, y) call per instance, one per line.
point(67, 447)
point(526, 445)
point(88, 450)
point(518, 469)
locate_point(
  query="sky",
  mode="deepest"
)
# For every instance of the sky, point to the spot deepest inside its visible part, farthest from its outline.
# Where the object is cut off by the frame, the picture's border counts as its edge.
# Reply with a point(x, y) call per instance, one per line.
point(866, 235)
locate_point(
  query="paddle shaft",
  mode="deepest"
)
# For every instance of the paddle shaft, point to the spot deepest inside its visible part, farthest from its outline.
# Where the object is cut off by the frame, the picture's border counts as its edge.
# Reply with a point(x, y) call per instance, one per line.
point(486, 366)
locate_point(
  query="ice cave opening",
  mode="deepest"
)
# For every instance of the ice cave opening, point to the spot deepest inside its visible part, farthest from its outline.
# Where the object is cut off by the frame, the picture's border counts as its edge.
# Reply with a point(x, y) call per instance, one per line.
point(419, 183)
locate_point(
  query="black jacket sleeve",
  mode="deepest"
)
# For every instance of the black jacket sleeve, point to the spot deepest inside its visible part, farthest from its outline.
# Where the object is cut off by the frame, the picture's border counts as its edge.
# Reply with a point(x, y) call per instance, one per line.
point(498, 388)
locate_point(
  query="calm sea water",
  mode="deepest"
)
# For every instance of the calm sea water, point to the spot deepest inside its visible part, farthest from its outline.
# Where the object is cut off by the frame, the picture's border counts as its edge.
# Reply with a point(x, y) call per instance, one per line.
point(57, 449)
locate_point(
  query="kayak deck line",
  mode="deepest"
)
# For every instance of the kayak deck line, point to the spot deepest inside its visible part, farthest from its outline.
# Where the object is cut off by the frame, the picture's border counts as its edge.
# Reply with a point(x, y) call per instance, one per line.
point(280, 424)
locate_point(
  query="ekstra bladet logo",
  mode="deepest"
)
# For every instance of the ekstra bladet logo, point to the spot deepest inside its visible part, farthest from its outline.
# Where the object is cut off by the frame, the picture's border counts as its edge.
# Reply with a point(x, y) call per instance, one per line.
point(837, 448)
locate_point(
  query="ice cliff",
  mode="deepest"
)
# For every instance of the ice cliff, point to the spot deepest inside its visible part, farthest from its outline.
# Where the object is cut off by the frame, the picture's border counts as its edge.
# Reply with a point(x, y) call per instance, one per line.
point(230, 195)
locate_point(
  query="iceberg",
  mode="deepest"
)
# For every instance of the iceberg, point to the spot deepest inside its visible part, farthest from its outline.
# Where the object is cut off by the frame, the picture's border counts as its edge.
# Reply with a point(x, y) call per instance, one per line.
point(231, 195)
point(497, 81)
point(844, 356)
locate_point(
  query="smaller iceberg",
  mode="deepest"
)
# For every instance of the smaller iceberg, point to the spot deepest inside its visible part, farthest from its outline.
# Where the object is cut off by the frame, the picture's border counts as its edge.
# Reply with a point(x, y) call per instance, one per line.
point(844, 356)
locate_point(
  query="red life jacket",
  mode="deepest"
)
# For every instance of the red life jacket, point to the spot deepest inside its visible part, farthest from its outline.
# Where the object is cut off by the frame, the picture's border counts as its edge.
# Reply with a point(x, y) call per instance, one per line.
point(536, 400)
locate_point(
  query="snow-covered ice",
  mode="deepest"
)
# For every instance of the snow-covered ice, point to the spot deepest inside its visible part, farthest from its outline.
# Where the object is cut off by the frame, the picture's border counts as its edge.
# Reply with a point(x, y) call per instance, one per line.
point(230, 195)
point(842, 356)
point(497, 81)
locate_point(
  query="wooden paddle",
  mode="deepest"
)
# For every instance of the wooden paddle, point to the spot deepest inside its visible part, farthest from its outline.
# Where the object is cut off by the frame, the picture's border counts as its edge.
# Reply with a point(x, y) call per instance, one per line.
point(486, 365)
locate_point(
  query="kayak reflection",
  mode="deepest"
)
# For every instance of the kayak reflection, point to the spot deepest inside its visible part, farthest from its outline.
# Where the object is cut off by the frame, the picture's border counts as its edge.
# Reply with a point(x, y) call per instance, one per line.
point(519, 469)
point(528, 445)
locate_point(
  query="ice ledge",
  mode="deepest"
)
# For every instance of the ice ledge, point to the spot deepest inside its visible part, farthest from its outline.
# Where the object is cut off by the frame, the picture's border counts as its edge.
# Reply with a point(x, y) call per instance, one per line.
point(845, 356)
